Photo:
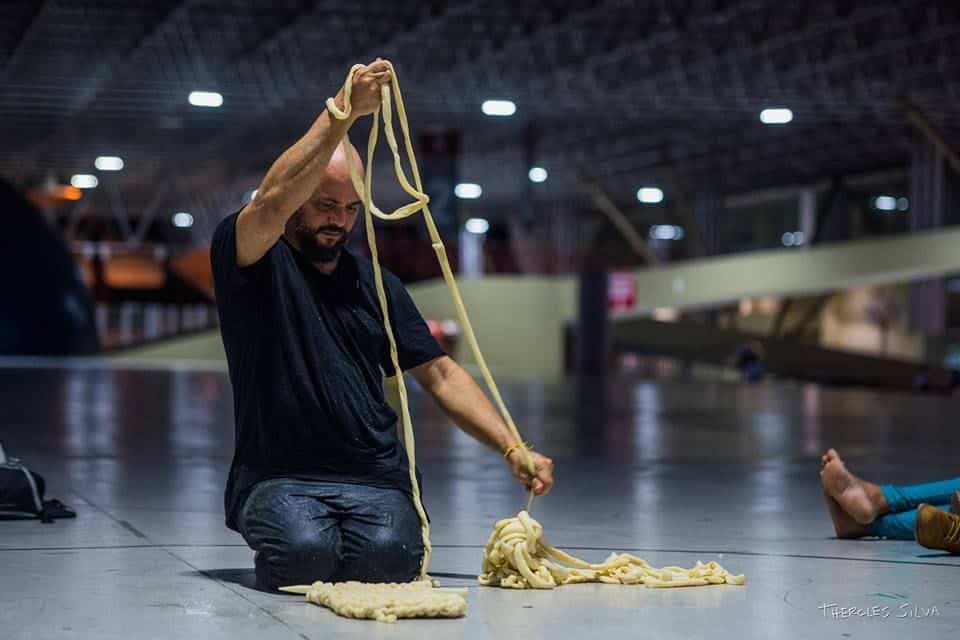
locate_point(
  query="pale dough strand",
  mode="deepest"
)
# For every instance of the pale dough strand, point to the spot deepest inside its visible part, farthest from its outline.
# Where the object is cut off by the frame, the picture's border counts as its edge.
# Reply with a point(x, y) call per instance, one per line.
point(518, 557)
point(419, 599)
point(364, 189)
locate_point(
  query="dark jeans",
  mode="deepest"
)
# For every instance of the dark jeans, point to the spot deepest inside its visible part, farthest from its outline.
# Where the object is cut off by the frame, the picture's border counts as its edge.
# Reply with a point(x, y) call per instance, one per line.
point(304, 531)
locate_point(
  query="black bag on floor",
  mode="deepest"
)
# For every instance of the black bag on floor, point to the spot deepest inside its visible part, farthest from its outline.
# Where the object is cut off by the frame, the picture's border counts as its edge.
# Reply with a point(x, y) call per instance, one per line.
point(21, 494)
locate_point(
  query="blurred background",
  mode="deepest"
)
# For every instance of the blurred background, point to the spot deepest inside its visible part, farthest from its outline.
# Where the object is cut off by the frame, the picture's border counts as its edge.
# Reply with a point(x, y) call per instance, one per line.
point(694, 188)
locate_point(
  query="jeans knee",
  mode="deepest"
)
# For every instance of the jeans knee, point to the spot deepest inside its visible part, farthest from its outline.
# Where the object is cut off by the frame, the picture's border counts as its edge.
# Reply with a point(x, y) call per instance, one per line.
point(385, 559)
point(317, 556)
point(401, 562)
point(301, 560)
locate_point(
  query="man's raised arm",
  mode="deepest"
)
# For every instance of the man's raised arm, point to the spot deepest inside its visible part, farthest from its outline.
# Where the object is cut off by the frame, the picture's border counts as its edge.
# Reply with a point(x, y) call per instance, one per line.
point(295, 175)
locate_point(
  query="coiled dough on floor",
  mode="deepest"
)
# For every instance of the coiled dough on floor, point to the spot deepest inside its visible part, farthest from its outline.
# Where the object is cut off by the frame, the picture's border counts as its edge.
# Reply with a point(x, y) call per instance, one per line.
point(385, 602)
point(517, 557)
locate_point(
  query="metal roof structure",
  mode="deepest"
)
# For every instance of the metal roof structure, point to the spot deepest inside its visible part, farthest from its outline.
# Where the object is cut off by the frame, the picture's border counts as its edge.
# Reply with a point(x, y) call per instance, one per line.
point(632, 93)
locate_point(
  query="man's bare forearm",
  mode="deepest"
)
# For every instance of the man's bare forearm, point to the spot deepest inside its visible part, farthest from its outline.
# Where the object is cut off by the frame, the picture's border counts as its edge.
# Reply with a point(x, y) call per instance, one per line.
point(291, 180)
point(295, 175)
point(461, 398)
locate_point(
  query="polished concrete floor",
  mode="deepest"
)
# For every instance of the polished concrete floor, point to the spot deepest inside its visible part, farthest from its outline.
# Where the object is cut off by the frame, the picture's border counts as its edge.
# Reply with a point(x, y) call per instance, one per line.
point(673, 472)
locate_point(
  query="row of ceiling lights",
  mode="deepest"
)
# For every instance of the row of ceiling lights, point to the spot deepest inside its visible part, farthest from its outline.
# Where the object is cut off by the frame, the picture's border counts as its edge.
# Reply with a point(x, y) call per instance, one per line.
point(646, 195)
point(507, 108)
point(675, 232)
point(181, 219)
point(465, 190)
point(883, 203)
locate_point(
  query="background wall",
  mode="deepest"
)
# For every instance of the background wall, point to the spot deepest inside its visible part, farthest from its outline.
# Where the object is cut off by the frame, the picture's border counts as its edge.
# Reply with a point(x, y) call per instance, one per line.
point(519, 321)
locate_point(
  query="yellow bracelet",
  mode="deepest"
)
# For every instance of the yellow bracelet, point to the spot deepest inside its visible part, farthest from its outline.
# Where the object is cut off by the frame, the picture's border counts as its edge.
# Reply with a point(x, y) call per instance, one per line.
point(514, 447)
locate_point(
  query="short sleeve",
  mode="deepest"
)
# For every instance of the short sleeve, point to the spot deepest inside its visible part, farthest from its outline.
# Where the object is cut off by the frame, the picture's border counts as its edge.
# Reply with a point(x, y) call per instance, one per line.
point(228, 278)
point(415, 344)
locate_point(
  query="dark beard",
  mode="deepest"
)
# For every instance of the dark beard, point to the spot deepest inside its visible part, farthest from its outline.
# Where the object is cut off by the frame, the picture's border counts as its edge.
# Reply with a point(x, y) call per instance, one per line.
point(309, 244)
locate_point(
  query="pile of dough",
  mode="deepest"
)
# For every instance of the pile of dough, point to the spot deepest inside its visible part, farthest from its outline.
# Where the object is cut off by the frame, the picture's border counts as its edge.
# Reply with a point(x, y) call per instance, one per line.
point(386, 602)
point(517, 557)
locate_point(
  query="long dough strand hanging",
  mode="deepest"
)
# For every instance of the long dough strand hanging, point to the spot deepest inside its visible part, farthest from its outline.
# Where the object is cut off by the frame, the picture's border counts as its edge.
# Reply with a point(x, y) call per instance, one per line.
point(364, 190)
point(516, 555)
point(387, 602)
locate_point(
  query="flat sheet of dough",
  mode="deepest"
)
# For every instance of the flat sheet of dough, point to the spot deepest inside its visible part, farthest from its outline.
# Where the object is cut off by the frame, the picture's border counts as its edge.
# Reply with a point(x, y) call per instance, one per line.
point(385, 602)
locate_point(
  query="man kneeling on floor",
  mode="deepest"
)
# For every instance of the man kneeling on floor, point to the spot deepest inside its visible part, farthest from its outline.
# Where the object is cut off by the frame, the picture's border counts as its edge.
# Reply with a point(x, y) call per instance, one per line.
point(319, 486)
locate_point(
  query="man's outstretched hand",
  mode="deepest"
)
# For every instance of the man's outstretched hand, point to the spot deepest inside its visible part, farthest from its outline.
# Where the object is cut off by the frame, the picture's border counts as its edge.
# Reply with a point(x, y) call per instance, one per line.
point(542, 481)
point(365, 91)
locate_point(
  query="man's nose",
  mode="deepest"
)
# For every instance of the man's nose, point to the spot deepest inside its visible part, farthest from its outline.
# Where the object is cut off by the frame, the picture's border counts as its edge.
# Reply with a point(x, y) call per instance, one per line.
point(336, 216)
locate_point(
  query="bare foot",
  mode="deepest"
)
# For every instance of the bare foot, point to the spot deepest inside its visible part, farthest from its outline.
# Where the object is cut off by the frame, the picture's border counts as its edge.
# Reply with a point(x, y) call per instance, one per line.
point(843, 522)
point(860, 500)
point(831, 454)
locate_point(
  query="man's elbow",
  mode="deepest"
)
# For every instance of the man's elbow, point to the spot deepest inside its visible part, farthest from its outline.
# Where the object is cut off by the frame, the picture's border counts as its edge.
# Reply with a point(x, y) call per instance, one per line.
point(433, 376)
point(448, 367)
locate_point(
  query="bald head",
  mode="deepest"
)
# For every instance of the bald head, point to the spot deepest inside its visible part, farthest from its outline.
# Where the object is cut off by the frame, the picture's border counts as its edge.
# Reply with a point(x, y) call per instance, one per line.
point(321, 226)
point(338, 170)
point(335, 183)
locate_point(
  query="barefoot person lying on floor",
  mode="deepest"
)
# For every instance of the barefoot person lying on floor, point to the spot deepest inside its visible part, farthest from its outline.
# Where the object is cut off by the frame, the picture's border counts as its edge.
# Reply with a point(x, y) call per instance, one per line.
point(906, 512)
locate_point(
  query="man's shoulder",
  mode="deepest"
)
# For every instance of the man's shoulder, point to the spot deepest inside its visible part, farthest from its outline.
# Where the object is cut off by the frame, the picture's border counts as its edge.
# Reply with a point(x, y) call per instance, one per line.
point(225, 229)
point(227, 274)
point(223, 242)
point(228, 222)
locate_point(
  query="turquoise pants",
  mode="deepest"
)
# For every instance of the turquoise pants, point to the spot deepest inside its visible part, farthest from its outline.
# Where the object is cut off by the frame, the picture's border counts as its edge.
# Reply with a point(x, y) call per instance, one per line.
point(900, 522)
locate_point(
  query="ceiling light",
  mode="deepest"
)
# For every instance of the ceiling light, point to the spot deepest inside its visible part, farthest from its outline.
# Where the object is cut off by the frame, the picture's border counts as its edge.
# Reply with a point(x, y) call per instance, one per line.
point(477, 225)
point(792, 238)
point(84, 181)
point(467, 190)
point(538, 174)
point(902, 204)
point(666, 232)
point(776, 115)
point(182, 219)
point(498, 107)
point(885, 203)
point(108, 163)
point(205, 99)
point(650, 195)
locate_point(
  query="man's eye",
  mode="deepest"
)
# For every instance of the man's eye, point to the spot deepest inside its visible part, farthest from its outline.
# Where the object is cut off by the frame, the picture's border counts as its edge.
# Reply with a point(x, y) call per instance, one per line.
point(355, 208)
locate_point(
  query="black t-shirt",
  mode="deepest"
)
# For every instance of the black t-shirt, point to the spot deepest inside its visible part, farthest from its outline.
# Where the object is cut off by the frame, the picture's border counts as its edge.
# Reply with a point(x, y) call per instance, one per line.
point(307, 353)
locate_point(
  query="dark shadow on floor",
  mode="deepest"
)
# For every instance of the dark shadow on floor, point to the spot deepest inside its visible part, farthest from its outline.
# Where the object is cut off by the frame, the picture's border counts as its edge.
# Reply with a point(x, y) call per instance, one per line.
point(243, 577)
point(458, 576)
